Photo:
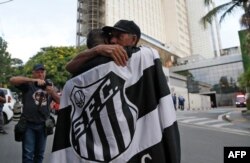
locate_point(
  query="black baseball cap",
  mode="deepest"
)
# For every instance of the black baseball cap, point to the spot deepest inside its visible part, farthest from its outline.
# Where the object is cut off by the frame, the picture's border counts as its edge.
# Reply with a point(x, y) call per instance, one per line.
point(127, 26)
point(38, 67)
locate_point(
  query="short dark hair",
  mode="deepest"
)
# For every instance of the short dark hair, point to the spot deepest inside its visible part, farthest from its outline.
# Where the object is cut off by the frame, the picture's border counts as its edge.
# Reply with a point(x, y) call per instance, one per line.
point(95, 37)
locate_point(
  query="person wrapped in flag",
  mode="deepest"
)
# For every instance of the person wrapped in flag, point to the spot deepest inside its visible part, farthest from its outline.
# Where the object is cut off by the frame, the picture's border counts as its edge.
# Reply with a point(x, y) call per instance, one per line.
point(118, 114)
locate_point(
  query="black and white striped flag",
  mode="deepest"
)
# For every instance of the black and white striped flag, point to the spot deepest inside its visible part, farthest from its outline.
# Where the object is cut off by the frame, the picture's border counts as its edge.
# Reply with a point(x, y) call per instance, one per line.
point(117, 114)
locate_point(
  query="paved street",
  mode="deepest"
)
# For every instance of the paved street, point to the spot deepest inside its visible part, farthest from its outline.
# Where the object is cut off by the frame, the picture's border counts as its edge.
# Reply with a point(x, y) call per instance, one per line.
point(11, 150)
point(204, 134)
point(213, 119)
point(201, 144)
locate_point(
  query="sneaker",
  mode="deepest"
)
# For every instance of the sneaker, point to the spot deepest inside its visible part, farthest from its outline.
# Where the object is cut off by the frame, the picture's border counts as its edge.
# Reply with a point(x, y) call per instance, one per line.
point(3, 132)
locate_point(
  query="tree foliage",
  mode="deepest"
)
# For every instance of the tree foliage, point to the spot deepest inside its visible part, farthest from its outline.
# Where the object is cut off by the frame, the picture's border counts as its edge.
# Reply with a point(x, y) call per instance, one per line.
point(16, 62)
point(227, 9)
point(54, 59)
point(244, 79)
point(244, 36)
point(5, 61)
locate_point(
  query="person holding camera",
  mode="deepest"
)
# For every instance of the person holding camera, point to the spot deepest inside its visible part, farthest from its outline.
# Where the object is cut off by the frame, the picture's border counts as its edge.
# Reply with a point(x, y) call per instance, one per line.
point(37, 94)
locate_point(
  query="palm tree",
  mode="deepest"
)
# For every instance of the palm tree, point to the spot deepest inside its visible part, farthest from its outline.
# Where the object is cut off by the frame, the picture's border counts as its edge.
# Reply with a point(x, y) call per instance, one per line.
point(5, 1)
point(227, 9)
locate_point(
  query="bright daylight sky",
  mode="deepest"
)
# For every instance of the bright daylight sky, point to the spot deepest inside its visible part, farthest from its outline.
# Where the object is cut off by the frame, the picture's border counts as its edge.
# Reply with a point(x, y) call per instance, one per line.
point(28, 25)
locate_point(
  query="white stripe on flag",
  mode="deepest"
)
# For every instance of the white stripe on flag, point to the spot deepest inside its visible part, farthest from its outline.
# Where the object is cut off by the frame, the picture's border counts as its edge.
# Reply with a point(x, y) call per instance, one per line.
point(98, 149)
point(109, 132)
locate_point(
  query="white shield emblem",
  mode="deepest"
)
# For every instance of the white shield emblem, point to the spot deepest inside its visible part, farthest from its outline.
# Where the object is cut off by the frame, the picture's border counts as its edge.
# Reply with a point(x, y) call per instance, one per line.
point(103, 120)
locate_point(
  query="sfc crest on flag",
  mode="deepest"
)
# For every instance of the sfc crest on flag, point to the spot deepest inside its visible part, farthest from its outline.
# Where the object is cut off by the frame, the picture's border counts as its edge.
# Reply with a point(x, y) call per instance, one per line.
point(106, 105)
point(118, 114)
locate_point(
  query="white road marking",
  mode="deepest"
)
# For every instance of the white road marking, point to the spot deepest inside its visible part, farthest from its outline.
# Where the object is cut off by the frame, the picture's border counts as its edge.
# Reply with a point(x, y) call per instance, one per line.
point(192, 120)
point(208, 121)
point(222, 125)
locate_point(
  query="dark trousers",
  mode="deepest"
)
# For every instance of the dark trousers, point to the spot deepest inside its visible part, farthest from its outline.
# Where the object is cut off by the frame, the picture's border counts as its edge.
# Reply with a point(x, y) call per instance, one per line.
point(34, 143)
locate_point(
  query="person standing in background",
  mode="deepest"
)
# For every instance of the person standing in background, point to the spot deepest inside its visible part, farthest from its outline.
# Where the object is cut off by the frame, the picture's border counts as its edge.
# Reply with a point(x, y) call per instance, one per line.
point(181, 101)
point(2, 101)
point(37, 94)
point(174, 100)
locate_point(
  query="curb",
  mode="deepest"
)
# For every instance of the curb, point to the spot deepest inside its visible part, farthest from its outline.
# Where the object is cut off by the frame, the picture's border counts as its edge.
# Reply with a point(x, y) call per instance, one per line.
point(245, 113)
point(226, 117)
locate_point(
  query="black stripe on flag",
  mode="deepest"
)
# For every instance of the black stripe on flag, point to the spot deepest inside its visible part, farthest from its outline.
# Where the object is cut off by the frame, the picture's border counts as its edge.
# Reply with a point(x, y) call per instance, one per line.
point(103, 138)
point(147, 98)
point(90, 144)
point(115, 126)
point(62, 132)
point(129, 117)
point(167, 150)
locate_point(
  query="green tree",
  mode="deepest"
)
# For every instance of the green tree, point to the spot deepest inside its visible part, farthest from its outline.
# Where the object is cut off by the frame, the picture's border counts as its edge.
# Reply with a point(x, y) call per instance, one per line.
point(5, 62)
point(244, 82)
point(16, 62)
point(244, 79)
point(54, 59)
point(227, 9)
point(223, 84)
point(192, 84)
point(244, 36)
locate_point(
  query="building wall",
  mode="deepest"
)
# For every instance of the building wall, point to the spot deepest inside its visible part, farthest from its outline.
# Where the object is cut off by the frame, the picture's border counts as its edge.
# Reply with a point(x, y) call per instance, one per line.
point(211, 70)
point(146, 13)
point(177, 33)
point(212, 75)
point(174, 23)
point(199, 102)
point(221, 73)
point(90, 15)
point(163, 20)
point(201, 38)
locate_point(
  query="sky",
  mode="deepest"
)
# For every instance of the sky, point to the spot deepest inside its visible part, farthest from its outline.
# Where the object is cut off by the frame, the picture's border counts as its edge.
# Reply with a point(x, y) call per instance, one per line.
point(230, 26)
point(29, 25)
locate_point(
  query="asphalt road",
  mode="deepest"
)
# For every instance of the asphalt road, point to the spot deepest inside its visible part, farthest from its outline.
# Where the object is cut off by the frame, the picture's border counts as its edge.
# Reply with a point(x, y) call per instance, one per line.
point(199, 144)
point(206, 145)
point(11, 151)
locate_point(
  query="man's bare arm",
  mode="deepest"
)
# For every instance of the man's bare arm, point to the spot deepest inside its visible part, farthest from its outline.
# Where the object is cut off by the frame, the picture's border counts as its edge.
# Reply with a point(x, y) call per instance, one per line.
point(53, 94)
point(116, 52)
point(18, 80)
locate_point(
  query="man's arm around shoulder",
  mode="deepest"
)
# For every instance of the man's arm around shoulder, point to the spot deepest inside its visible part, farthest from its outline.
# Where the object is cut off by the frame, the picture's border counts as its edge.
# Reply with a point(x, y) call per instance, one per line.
point(116, 52)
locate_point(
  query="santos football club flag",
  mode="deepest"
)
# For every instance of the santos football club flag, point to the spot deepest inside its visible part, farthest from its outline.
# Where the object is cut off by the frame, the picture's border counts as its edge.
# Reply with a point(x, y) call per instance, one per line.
point(117, 114)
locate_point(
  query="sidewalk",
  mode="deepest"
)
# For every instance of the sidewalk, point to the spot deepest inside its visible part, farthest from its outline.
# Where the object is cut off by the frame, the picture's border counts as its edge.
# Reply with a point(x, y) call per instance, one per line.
point(238, 117)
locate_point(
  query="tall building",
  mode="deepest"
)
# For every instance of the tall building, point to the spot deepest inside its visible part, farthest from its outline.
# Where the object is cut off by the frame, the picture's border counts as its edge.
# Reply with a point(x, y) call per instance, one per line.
point(204, 41)
point(176, 27)
point(173, 23)
point(221, 73)
point(173, 28)
point(164, 20)
point(90, 15)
